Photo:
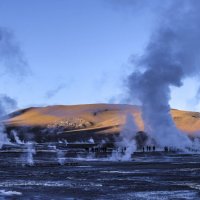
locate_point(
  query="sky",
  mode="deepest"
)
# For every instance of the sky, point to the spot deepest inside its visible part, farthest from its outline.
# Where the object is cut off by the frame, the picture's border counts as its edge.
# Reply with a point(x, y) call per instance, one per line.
point(79, 52)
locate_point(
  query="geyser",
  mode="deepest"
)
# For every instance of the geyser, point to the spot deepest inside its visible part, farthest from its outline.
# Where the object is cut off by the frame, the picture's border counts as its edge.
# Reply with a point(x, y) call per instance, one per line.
point(12, 62)
point(6, 105)
point(30, 152)
point(171, 55)
point(126, 139)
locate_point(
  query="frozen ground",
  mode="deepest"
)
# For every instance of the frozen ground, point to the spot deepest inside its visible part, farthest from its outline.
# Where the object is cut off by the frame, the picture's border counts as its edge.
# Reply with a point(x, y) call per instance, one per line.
point(147, 176)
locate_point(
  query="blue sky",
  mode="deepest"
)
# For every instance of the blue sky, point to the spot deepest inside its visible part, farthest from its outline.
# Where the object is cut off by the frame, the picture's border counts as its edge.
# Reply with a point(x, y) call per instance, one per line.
point(79, 51)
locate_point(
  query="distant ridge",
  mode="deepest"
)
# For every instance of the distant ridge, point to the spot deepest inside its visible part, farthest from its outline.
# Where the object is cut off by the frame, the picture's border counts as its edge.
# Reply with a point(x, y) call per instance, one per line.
point(106, 118)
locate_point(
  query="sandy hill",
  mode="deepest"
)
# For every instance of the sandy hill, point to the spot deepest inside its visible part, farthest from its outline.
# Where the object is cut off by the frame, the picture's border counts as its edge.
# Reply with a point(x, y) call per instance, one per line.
point(101, 118)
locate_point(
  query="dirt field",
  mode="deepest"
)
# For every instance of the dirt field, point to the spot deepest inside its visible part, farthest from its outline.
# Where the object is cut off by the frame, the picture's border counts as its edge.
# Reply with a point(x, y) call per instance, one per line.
point(147, 176)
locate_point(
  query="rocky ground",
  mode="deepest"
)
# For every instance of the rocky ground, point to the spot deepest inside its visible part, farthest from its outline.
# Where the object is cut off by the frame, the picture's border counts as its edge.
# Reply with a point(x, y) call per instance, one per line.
point(54, 175)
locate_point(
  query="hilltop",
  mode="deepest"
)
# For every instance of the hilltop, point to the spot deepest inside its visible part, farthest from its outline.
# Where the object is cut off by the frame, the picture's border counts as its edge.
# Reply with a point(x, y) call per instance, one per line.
point(79, 121)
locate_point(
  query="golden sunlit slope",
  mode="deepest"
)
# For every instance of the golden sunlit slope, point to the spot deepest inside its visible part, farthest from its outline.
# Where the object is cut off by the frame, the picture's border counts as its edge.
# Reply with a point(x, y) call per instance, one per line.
point(101, 117)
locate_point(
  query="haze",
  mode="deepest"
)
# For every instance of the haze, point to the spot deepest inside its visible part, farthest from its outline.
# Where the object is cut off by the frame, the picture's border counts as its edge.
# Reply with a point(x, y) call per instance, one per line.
point(79, 51)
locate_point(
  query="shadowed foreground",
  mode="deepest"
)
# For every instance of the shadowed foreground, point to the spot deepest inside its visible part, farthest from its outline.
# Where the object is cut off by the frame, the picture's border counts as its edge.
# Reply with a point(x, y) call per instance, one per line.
point(147, 176)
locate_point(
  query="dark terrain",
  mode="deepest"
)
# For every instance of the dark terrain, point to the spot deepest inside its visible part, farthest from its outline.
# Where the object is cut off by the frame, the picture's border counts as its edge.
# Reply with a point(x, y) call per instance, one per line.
point(54, 175)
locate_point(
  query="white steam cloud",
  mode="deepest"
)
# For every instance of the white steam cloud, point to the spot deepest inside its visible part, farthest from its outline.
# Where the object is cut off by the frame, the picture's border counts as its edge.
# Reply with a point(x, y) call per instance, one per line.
point(126, 142)
point(12, 62)
point(127, 135)
point(173, 54)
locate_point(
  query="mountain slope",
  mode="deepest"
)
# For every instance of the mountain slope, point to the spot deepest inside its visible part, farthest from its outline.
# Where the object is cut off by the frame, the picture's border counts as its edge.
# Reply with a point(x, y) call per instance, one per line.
point(105, 118)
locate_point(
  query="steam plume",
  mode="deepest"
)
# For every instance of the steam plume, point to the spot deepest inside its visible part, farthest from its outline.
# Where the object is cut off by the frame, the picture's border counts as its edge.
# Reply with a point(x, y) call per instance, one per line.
point(30, 152)
point(127, 136)
point(126, 143)
point(7, 104)
point(172, 54)
point(12, 62)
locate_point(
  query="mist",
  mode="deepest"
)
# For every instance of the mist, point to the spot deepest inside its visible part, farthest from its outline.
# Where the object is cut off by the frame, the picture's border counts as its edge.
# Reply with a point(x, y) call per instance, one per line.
point(127, 137)
point(14, 64)
point(12, 59)
point(171, 55)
